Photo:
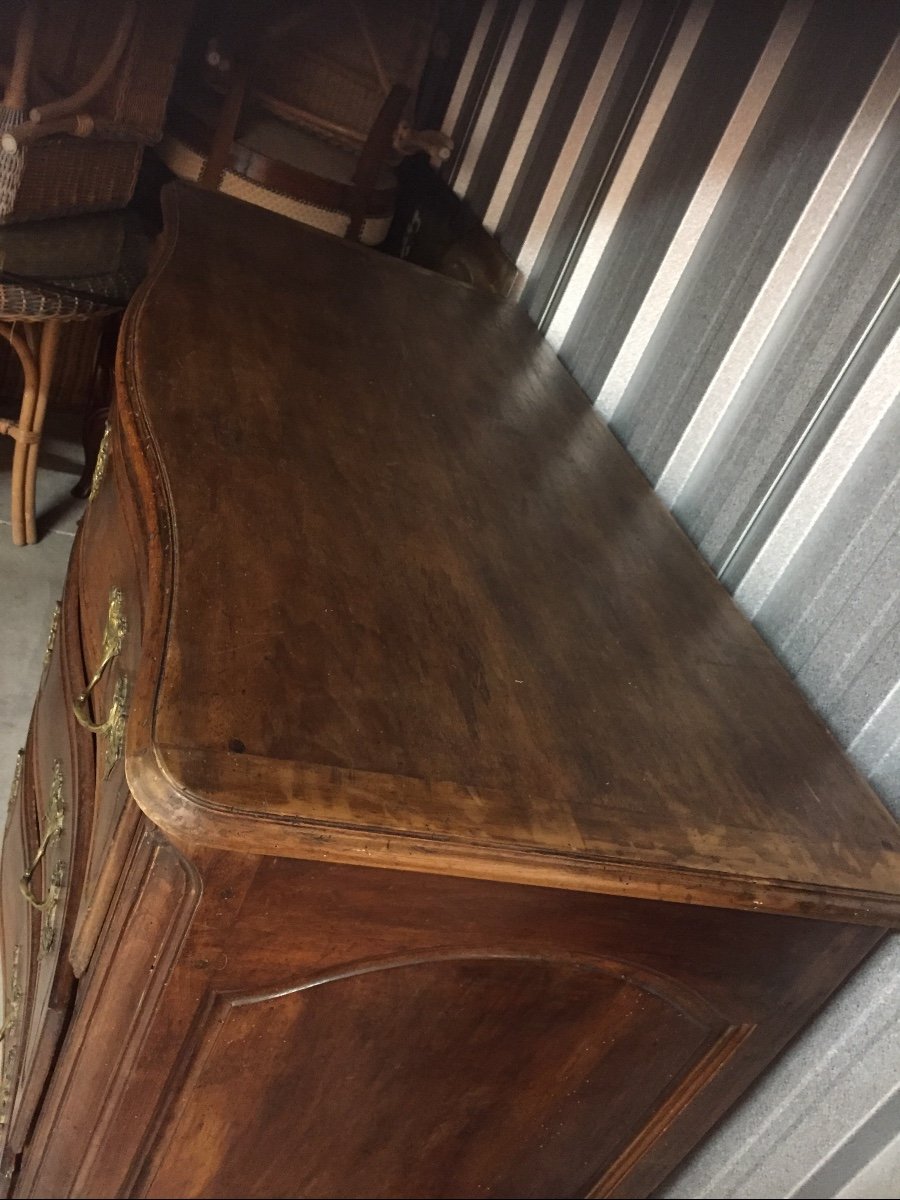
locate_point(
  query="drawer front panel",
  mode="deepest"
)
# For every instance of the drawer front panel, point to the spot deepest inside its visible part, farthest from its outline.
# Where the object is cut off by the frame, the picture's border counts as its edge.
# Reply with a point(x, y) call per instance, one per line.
point(62, 766)
point(110, 611)
point(19, 938)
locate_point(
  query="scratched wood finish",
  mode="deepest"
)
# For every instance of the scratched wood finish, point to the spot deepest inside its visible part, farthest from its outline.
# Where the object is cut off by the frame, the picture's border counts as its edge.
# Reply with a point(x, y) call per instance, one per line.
point(469, 637)
point(467, 841)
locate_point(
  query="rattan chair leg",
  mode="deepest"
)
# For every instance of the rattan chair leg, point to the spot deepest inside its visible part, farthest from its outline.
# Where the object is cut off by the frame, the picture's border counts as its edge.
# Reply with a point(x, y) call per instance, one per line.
point(17, 508)
point(16, 95)
point(49, 344)
point(29, 397)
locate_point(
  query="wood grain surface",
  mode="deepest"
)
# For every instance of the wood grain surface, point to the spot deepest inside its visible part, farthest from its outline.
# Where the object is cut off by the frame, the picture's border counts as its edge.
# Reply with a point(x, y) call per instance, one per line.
point(403, 633)
point(418, 608)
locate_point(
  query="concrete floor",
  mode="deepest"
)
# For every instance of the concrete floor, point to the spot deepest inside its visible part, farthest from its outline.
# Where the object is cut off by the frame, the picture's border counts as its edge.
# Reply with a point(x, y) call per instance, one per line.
point(31, 581)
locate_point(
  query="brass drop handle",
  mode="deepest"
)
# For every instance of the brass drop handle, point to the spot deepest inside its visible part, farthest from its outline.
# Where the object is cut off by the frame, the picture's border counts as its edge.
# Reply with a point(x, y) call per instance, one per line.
point(25, 881)
point(112, 727)
point(56, 813)
point(51, 635)
point(113, 639)
point(117, 709)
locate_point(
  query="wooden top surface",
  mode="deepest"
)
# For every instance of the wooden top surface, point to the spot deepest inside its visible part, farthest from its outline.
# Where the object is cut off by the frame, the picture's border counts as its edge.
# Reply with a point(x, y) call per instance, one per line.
point(421, 610)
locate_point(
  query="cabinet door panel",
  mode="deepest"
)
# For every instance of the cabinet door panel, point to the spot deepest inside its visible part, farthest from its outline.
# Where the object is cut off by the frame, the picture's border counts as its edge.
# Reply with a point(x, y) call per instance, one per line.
point(457, 1077)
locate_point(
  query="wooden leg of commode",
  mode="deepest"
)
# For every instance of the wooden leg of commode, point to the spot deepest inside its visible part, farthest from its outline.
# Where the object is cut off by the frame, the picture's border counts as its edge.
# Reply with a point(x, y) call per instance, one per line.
point(49, 344)
point(29, 398)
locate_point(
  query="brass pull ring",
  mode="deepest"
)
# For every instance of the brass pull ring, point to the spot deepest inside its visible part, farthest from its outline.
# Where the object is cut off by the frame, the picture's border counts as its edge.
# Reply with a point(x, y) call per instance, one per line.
point(116, 708)
point(113, 639)
point(25, 881)
point(112, 727)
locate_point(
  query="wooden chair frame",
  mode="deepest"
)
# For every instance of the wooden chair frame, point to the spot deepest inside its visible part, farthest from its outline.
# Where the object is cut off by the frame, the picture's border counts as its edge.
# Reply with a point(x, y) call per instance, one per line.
point(65, 114)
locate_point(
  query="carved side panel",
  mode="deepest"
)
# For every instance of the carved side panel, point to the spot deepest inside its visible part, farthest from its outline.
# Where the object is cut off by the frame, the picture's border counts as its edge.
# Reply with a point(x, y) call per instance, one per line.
point(456, 1077)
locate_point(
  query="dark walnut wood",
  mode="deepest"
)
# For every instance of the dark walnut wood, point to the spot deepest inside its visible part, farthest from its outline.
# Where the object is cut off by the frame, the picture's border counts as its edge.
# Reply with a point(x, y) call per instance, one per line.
point(465, 839)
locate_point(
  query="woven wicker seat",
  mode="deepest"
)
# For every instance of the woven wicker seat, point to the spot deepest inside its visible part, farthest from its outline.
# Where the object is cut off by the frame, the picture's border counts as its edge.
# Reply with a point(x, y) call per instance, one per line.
point(52, 272)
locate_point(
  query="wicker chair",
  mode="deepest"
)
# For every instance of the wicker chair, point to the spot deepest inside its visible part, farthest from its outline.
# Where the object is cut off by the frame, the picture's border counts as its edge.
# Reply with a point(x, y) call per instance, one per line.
point(85, 92)
point(52, 272)
point(301, 108)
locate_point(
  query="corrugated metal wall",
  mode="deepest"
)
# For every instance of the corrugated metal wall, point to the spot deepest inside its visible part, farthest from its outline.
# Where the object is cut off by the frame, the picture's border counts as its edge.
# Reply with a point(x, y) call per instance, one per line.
point(702, 199)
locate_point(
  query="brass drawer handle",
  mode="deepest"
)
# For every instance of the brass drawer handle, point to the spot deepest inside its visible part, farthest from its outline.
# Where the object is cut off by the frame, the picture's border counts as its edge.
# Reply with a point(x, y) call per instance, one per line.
point(51, 635)
point(109, 726)
point(56, 815)
point(56, 811)
point(112, 727)
point(25, 881)
point(100, 464)
point(113, 640)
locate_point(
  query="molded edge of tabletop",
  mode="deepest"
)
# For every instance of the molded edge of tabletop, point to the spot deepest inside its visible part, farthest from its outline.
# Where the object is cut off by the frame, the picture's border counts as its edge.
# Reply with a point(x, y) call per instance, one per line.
point(156, 775)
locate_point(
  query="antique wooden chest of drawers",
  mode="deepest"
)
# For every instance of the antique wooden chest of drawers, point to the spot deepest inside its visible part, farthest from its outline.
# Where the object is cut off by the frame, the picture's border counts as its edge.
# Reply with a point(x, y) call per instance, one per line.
point(406, 810)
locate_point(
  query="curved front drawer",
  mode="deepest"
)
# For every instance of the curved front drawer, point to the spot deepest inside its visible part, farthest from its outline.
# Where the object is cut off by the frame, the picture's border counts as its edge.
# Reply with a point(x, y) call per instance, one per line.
point(110, 622)
point(19, 936)
point(62, 769)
